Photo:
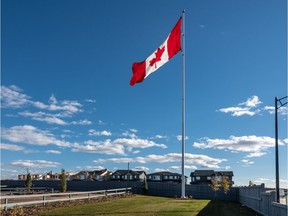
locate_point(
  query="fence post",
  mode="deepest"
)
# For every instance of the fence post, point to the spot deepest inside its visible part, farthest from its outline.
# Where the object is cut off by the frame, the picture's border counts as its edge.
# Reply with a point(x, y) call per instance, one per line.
point(43, 200)
point(6, 203)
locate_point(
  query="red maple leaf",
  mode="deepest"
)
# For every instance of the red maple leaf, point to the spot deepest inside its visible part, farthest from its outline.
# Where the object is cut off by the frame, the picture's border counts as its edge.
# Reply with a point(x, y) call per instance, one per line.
point(158, 55)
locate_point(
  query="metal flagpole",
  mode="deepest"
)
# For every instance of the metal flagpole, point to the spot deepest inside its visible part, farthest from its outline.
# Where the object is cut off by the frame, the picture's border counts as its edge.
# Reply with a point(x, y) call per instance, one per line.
point(183, 106)
point(276, 151)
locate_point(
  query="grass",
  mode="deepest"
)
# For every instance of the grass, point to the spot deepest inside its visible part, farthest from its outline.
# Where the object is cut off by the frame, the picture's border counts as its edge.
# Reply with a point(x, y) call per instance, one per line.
point(149, 205)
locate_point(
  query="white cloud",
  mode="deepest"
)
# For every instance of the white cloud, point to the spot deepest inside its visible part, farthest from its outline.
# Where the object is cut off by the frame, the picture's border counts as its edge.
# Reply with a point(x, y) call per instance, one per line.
point(89, 168)
point(238, 111)
point(11, 147)
point(178, 168)
point(112, 147)
point(9, 173)
point(53, 99)
point(81, 122)
point(90, 100)
point(115, 160)
point(270, 183)
point(53, 118)
point(93, 132)
point(136, 152)
point(161, 170)
point(255, 145)
point(28, 134)
point(66, 105)
point(133, 130)
point(252, 102)
point(138, 143)
point(53, 152)
point(256, 154)
point(245, 108)
point(44, 117)
point(246, 162)
point(128, 134)
point(12, 97)
point(271, 109)
point(191, 160)
point(179, 137)
point(101, 147)
point(34, 164)
point(141, 168)
point(161, 137)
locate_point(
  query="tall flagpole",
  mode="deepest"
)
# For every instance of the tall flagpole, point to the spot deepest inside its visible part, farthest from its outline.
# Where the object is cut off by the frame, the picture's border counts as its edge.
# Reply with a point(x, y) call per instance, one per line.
point(183, 106)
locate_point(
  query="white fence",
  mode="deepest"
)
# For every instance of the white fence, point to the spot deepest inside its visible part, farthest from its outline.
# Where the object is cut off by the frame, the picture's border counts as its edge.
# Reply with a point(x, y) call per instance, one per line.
point(23, 200)
point(262, 201)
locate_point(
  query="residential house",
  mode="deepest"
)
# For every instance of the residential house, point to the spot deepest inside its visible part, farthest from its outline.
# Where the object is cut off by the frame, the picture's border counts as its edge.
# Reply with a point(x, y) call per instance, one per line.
point(82, 175)
point(205, 176)
point(22, 177)
point(165, 177)
point(96, 175)
point(56, 176)
point(34, 176)
point(100, 175)
point(128, 175)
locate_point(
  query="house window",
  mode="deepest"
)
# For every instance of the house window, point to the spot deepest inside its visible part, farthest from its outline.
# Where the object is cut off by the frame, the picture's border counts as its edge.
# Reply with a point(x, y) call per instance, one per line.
point(208, 177)
point(165, 177)
point(156, 177)
point(193, 179)
point(170, 177)
point(149, 177)
point(197, 177)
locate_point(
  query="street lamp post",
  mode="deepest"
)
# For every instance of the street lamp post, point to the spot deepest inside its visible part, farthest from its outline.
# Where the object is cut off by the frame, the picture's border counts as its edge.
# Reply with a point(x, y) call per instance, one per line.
point(276, 144)
point(128, 174)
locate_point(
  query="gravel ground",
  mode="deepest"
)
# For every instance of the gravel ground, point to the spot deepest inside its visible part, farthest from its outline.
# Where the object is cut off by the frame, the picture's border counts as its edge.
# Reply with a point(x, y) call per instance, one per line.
point(36, 210)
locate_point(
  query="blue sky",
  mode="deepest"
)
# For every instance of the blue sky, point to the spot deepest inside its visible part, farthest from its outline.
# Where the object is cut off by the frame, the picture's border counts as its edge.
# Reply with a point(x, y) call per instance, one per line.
point(66, 101)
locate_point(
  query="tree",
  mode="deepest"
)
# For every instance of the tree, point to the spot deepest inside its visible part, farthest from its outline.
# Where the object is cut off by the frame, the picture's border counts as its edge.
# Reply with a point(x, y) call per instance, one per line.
point(63, 183)
point(224, 183)
point(251, 184)
point(28, 182)
point(214, 184)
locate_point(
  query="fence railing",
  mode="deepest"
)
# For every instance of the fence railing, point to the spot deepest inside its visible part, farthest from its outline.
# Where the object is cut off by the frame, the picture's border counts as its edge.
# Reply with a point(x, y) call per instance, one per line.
point(24, 200)
point(24, 191)
point(262, 201)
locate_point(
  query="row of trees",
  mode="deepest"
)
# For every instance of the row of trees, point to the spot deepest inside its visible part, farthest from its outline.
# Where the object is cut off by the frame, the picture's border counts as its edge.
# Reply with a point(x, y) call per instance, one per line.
point(224, 183)
point(63, 183)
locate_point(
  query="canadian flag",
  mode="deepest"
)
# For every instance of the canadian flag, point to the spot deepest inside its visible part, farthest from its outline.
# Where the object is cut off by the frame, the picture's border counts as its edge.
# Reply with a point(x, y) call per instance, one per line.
point(170, 47)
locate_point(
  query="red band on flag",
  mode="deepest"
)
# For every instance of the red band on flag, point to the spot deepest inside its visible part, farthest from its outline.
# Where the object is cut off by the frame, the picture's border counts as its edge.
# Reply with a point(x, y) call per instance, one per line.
point(174, 40)
point(138, 69)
